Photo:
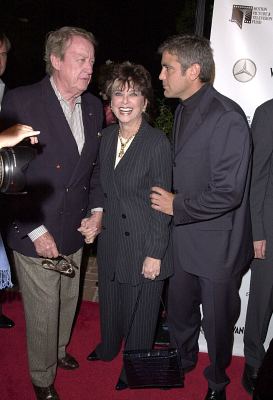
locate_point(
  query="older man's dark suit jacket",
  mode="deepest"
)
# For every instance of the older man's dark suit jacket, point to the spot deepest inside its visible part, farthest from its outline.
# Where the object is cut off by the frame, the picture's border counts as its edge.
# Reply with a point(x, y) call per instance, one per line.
point(212, 227)
point(58, 179)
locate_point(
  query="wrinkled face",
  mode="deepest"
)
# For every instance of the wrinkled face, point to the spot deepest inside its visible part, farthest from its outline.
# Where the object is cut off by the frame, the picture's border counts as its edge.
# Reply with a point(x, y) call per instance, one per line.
point(3, 57)
point(176, 83)
point(127, 103)
point(73, 73)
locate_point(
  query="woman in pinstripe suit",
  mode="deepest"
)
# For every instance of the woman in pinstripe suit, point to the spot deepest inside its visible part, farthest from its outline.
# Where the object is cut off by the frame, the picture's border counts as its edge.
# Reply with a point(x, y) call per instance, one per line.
point(133, 244)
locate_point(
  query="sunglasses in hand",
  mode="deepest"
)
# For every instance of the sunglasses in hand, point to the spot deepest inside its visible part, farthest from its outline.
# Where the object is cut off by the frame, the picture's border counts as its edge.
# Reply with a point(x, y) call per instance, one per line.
point(61, 264)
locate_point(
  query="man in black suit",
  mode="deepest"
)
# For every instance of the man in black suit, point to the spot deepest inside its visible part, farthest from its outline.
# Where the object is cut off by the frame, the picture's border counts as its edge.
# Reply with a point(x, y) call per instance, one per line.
point(210, 207)
point(5, 322)
point(62, 188)
point(260, 303)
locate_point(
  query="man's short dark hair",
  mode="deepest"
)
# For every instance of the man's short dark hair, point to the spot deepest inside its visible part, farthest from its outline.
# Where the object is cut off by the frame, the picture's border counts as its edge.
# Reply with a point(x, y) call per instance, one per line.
point(4, 39)
point(191, 49)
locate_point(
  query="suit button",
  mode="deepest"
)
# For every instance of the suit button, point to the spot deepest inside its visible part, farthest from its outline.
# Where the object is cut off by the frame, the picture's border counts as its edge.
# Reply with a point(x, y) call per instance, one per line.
point(105, 195)
point(174, 164)
point(123, 216)
point(103, 228)
point(175, 191)
point(127, 234)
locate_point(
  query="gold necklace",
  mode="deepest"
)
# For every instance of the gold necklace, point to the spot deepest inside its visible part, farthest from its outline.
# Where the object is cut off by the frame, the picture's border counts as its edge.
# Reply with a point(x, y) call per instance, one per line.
point(123, 144)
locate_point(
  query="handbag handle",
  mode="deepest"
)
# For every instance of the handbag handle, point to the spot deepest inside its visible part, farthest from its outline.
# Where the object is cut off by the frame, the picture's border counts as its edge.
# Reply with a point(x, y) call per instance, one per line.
point(134, 312)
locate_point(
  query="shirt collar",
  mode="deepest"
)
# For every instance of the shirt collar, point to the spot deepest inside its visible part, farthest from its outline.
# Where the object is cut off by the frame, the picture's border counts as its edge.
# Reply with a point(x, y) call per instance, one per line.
point(58, 94)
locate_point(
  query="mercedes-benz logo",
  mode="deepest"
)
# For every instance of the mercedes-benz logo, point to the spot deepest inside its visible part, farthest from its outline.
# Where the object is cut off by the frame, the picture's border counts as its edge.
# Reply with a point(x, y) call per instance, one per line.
point(244, 70)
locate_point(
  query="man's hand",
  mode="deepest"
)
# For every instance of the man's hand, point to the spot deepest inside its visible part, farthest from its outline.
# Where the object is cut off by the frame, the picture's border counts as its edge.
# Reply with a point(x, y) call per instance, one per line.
point(45, 246)
point(259, 249)
point(16, 133)
point(91, 227)
point(162, 200)
point(151, 268)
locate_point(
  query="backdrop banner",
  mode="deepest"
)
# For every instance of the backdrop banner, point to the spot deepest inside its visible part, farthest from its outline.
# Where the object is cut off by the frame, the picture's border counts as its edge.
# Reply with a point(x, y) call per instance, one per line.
point(241, 37)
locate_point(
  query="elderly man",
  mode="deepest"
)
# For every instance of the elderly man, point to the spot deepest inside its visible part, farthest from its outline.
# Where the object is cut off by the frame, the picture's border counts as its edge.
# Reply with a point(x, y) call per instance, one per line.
point(212, 240)
point(63, 187)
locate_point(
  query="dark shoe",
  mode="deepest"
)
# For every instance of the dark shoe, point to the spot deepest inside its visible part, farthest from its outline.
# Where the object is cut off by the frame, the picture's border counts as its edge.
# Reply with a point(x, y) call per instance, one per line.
point(68, 362)
point(216, 394)
point(46, 393)
point(121, 385)
point(5, 322)
point(93, 356)
point(249, 378)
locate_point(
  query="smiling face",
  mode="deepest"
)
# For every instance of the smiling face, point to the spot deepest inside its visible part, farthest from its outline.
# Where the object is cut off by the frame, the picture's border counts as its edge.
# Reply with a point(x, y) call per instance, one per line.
point(128, 104)
point(73, 72)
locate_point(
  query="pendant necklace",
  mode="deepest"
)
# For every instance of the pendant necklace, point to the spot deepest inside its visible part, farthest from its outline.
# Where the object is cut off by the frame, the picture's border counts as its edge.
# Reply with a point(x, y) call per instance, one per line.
point(123, 144)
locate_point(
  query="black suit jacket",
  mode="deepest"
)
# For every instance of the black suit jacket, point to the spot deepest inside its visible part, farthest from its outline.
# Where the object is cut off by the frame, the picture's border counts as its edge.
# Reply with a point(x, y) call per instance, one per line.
point(212, 227)
point(261, 192)
point(59, 184)
point(132, 230)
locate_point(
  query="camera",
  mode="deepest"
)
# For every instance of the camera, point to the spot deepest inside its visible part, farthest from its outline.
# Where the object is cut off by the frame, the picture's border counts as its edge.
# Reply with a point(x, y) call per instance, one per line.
point(13, 163)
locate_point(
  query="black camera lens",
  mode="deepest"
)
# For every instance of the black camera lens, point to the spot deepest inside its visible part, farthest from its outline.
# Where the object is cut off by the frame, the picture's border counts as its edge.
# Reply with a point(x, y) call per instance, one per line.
point(13, 162)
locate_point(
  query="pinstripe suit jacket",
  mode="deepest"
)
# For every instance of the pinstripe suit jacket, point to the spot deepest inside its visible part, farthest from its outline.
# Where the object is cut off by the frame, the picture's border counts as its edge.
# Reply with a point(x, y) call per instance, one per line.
point(131, 229)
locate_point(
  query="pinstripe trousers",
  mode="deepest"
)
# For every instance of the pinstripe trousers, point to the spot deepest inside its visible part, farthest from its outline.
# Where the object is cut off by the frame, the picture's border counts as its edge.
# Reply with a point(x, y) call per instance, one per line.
point(117, 301)
point(50, 301)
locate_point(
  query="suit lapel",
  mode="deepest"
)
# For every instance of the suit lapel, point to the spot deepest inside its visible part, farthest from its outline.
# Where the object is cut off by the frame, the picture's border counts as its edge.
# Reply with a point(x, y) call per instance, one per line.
point(91, 138)
point(66, 146)
point(59, 128)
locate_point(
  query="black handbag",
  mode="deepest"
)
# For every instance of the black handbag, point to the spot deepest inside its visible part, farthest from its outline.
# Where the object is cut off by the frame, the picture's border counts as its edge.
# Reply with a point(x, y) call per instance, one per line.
point(154, 367)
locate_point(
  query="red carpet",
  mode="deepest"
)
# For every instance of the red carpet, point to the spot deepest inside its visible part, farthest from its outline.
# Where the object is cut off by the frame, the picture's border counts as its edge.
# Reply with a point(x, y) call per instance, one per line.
point(92, 381)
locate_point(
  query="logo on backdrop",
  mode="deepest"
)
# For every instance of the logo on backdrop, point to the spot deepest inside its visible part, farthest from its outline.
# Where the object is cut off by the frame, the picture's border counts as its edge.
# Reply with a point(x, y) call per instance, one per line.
point(244, 70)
point(250, 15)
point(241, 14)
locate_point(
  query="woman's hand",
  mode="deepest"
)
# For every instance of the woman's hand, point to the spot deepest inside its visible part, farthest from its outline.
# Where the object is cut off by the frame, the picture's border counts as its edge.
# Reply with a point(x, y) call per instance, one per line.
point(151, 268)
point(13, 135)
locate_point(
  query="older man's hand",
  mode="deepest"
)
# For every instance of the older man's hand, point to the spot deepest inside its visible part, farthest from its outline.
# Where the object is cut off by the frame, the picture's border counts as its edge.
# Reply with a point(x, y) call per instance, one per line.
point(45, 246)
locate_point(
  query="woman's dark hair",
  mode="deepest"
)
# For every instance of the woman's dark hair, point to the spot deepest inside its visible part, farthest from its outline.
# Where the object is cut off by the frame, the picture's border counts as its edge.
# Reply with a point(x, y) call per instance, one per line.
point(133, 75)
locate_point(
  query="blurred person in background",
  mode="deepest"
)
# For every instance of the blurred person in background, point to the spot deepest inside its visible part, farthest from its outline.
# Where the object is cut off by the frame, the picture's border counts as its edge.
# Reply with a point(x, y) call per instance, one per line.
point(5, 322)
